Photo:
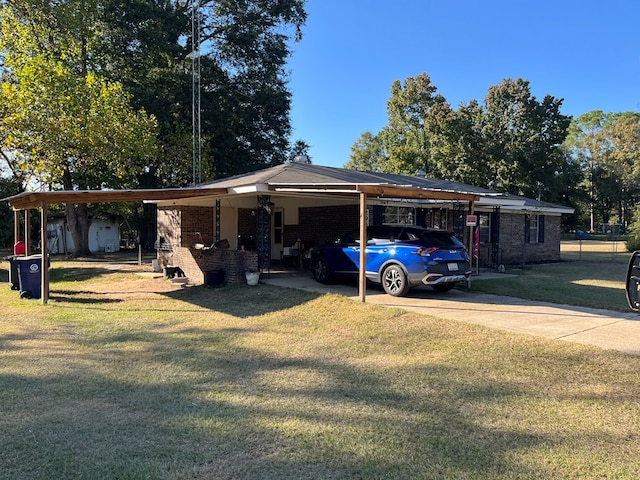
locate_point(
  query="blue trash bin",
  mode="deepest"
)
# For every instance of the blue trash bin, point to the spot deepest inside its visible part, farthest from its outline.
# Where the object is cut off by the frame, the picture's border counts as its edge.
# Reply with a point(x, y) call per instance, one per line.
point(30, 276)
point(13, 271)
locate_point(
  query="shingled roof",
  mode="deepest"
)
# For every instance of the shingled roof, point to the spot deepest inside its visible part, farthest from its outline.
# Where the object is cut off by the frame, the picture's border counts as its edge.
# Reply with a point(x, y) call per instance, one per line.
point(305, 176)
point(298, 178)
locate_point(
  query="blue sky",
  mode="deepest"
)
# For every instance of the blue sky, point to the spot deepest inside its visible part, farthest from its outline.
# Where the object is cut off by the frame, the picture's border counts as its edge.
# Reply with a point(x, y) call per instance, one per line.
point(586, 52)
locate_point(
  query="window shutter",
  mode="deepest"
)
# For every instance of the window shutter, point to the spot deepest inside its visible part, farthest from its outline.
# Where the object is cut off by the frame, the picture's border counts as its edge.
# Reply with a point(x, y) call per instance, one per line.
point(527, 229)
point(541, 229)
point(378, 214)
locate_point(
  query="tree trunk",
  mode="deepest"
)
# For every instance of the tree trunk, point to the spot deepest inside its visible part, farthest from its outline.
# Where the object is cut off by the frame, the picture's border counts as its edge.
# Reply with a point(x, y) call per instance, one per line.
point(78, 222)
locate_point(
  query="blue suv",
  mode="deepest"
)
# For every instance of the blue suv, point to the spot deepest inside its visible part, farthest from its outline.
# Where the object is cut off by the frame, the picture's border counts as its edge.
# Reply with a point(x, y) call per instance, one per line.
point(398, 257)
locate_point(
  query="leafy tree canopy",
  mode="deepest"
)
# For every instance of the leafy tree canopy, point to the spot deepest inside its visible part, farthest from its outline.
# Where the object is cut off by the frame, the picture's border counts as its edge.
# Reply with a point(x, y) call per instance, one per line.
point(510, 143)
point(244, 98)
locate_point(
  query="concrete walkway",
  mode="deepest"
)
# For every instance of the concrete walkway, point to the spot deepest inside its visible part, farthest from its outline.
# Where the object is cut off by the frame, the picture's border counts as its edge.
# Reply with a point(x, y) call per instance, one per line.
point(600, 328)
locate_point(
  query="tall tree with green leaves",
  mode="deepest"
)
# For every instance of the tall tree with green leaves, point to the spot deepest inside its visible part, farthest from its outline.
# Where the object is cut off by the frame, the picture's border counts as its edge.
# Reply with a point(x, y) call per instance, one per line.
point(147, 48)
point(408, 135)
point(63, 123)
point(245, 101)
point(511, 143)
point(606, 147)
point(368, 153)
point(523, 138)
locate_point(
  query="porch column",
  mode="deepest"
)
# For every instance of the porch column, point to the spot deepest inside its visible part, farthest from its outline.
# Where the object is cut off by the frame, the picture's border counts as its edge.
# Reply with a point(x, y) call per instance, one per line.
point(362, 282)
point(263, 228)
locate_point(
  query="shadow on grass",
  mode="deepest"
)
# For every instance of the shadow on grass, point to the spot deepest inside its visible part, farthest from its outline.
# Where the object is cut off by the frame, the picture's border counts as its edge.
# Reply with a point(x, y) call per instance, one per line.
point(241, 300)
point(78, 274)
point(81, 297)
point(252, 397)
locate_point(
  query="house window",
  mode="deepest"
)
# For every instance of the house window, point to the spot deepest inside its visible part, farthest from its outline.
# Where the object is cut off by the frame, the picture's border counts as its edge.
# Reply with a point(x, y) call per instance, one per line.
point(399, 215)
point(534, 228)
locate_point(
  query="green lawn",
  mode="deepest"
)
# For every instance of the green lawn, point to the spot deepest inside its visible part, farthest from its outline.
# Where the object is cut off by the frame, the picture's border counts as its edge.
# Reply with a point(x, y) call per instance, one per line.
point(113, 380)
point(589, 275)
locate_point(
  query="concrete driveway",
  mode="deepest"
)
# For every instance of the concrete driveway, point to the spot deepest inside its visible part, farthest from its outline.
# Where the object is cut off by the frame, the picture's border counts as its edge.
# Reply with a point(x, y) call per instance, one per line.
point(600, 328)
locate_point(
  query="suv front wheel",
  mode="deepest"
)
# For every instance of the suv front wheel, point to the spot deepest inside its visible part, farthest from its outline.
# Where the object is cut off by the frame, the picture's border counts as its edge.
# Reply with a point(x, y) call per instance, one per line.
point(320, 270)
point(394, 281)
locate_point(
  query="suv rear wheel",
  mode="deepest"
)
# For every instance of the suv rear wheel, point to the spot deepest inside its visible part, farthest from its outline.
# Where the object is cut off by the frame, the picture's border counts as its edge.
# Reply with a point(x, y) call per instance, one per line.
point(394, 281)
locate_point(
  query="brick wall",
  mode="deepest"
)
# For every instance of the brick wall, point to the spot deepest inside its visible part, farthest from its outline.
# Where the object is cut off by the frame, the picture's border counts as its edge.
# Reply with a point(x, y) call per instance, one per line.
point(197, 220)
point(320, 225)
point(168, 226)
point(515, 250)
point(178, 227)
point(181, 225)
point(194, 263)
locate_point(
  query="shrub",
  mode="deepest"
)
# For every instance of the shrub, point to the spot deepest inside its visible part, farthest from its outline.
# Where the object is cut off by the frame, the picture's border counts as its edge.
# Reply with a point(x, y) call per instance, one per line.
point(633, 242)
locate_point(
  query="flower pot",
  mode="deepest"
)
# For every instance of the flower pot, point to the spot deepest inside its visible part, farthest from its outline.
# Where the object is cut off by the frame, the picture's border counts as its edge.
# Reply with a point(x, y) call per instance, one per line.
point(252, 278)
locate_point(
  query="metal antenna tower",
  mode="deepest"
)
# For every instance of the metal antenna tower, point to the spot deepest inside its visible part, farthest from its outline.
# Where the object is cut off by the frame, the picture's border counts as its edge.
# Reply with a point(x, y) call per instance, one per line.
point(196, 21)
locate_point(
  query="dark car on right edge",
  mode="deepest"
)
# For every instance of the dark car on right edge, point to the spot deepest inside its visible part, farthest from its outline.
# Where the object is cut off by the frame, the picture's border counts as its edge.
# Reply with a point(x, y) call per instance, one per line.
point(398, 257)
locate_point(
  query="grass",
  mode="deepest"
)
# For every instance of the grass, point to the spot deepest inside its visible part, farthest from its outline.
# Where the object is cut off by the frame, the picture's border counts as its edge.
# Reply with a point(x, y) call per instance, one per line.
point(591, 274)
point(123, 376)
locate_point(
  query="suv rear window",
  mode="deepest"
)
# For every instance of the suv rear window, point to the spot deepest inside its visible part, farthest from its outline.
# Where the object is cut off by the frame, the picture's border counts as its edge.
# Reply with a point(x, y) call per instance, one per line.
point(440, 239)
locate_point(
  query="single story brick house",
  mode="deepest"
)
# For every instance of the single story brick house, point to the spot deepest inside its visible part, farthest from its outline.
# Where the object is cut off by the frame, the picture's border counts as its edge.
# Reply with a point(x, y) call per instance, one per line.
point(250, 221)
point(279, 214)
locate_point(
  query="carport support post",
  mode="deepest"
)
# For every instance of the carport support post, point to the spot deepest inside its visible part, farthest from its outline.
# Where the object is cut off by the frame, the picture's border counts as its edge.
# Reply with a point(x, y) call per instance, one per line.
point(27, 231)
point(16, 226)
point(362, 279)
point(45, 254)
point(472, 245)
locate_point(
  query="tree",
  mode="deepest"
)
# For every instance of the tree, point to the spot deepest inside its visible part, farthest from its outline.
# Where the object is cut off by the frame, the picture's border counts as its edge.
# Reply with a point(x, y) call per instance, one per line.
point(8, 187)
point(300, 152)
point(511, 143)
point(368, 153)
point(606, 147)
point(407, 136)
point(624, 159)
point(244, 98)
point(145, 48)
point(66, 125)
point(523, 138)
point(463, 159)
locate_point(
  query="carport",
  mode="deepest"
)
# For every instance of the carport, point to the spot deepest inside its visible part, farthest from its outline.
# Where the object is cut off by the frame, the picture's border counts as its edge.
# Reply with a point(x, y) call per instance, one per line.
point(28, 201)
point(291, 180)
